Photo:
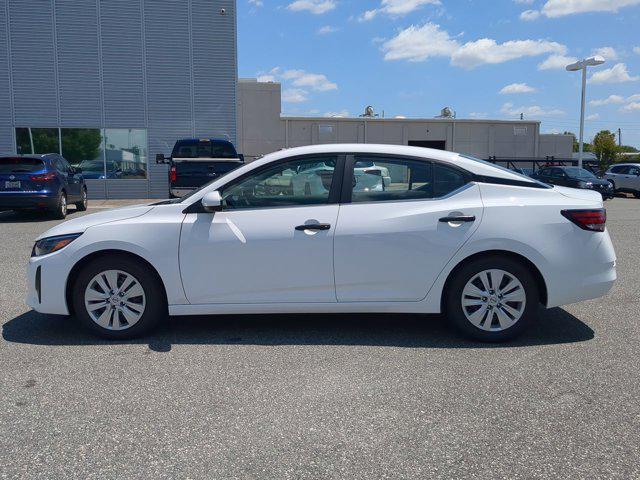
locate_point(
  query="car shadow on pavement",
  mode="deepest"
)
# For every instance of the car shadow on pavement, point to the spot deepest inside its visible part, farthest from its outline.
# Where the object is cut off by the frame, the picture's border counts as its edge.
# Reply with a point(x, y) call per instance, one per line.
point(556, 326)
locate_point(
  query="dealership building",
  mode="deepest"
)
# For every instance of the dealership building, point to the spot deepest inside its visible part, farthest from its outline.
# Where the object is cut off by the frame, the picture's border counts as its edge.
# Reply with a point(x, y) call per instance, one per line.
point(263, 129)
point(109, 84)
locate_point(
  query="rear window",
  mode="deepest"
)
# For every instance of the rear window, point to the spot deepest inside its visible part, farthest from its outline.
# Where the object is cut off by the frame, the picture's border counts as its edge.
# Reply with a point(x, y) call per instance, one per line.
point(20, 165)
point(203, 149)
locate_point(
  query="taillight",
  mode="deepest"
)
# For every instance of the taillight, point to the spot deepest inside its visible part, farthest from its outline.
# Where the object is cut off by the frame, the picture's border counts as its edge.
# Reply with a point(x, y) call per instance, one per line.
point(592, 220)
point(173, 174)
point(46, 177)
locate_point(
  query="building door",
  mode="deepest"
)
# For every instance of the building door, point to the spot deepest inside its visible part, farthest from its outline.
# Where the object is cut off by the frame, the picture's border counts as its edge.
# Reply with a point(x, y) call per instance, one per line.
point(437, 144)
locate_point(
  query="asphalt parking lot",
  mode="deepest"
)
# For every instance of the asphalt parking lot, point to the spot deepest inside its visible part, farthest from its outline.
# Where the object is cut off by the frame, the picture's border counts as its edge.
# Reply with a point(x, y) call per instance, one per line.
point(311, 396)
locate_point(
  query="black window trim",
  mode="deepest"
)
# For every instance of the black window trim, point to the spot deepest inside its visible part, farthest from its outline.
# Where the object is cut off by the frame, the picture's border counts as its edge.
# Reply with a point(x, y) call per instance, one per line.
point(334, 193)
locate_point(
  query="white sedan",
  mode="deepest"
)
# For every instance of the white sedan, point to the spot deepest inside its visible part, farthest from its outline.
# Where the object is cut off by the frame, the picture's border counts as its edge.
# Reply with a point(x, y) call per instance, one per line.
point(449, 233)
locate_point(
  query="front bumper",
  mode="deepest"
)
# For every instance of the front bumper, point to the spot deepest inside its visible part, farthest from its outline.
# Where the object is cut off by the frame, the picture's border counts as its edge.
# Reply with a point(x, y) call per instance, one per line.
point(48, 293)
point(27, 200)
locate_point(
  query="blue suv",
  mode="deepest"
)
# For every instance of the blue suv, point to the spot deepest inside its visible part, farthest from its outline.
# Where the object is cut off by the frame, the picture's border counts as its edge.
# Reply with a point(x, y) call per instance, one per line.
point(41, 182)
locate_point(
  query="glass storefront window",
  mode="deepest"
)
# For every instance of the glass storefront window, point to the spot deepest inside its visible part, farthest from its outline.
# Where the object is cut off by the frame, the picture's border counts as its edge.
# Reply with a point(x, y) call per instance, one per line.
point(37, 140)
point(111, 153)
point(82, 147)
point(126, 153)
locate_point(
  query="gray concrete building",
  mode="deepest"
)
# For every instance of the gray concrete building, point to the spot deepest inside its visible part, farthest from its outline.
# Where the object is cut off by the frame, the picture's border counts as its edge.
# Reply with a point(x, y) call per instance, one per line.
point(262, 129)
point(111, 83)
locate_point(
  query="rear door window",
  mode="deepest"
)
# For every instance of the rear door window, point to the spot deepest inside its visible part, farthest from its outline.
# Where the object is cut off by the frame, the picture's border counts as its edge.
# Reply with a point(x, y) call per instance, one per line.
point(20, 165)
point(204, 149)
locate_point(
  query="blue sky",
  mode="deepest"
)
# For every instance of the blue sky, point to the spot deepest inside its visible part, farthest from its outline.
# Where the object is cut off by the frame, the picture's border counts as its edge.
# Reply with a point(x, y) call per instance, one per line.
point(484, 58)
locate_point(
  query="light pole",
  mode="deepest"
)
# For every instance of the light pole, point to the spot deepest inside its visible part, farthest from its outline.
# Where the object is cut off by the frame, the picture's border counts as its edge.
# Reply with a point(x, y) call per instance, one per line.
point(574, 67)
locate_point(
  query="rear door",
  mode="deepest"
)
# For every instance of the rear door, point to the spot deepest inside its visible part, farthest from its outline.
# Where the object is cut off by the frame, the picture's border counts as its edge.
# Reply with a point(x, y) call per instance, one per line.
point(16, 173)
point(392, 241)
point(74, 183)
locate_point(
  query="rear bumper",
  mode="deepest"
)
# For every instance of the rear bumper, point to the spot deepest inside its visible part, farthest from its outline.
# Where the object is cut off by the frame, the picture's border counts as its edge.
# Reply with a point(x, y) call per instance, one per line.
point(27, 200)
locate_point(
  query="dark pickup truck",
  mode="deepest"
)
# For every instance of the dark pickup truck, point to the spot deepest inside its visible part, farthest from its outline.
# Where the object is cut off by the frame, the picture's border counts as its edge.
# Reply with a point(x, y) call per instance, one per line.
point(197, 161)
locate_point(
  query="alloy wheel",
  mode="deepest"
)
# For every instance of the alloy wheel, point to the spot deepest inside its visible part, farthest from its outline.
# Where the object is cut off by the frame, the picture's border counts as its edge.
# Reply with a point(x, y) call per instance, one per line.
point(493, 300)
point(63, 205)
point(115, 300)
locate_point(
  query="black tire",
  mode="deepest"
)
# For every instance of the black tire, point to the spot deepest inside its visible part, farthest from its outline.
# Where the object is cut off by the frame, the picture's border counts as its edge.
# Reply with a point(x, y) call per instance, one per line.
point(453, 301)
point(155, 310)
point(636, 194)
point(81, 206)
point(60, 210)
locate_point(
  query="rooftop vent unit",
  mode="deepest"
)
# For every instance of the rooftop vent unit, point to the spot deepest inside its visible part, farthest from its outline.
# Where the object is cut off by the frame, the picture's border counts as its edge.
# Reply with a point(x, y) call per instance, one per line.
point(447, 112)
point(369, 112)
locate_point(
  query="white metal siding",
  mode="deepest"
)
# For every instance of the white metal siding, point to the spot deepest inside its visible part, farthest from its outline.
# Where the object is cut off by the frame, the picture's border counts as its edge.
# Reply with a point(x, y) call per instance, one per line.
point(122, 63)
point(33, 63)
point(78, 63)
point(6, 109)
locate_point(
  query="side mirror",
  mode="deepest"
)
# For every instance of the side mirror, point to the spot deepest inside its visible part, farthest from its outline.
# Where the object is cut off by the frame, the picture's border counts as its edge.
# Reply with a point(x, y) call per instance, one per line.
point(212, 202)
point(160, 158)
point(241, 157)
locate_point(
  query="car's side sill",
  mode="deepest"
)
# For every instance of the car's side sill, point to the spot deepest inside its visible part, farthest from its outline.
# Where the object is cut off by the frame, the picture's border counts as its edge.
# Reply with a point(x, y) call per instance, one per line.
point(257, 308)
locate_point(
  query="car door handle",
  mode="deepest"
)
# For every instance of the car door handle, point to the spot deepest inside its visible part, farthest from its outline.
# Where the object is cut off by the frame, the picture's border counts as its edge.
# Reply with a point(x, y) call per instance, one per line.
point(313, 226)
point(458, 218)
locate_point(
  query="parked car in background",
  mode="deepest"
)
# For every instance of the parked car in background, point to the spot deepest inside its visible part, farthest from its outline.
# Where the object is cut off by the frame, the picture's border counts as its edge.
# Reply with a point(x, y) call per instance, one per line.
point(523, 171)
point(41, 183)
point(575, 177)
point(97, 169)
point(197, 161)
point(624, 177)
point(448, 233)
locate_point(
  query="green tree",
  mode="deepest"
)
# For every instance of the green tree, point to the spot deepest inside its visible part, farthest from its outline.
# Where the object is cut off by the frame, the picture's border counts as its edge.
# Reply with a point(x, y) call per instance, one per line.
point(80, 144)
point(605, 148)
point(586, 147)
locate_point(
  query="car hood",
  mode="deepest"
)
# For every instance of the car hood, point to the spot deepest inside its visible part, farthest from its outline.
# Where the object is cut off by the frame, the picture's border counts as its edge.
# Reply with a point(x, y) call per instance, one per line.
point(579, 193)
point(78, 225)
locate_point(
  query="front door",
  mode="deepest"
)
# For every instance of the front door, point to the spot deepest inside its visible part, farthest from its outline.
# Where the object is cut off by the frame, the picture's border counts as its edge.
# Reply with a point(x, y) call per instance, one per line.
point(273, 241)
point(395, 237)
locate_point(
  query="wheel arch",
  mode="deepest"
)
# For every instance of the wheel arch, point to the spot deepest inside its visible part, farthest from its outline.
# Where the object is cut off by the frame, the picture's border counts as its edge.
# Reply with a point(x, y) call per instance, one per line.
point(542, 286)
point(80, 264)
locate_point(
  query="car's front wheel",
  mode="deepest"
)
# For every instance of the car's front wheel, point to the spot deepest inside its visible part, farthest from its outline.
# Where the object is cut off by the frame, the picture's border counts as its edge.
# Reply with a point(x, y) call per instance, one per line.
point(119, 297)
point(492, 299)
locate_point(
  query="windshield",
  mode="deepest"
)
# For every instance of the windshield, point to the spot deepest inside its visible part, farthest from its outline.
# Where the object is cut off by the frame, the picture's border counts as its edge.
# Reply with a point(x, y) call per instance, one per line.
point(576, 172)
point(20, 165)
point(203, 149)
point(524, 177)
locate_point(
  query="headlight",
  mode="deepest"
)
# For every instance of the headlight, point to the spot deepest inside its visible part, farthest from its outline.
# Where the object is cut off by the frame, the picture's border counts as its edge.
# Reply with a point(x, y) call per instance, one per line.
point(582, 184)
point(52, 244)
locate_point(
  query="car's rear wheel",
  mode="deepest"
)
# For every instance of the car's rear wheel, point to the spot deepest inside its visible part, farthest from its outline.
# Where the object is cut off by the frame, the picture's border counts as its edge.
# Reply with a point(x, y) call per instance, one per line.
point(60, 210)
point(119, 298)
point(82, 205)
point(492, 299)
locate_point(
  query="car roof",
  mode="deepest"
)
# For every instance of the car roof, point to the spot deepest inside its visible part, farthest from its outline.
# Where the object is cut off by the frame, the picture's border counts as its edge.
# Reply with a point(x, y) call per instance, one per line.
point(473, 165)
point(204, 139)
point(625, 165)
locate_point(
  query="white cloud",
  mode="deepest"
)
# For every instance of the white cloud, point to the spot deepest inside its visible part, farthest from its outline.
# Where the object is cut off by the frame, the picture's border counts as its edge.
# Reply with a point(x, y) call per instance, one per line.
point(486, 50)
point(593, 116)
point(294, 95)
point(531, 111)
point(256, 3)
point(266, 78)
point(616, 74)
point(327, 29)
point(529, 15)
point(418, 43)
point(523, 2)
point(478, 115)
point(611, 99)
point(340, 114)
point(317, 7)
point(560, 8)
point(314, 81)
point(609, 53)
point(634, 98)
point(631, 107)
point(556, 62)
point(517, 88)
point(636, 50)
point(396, 8)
